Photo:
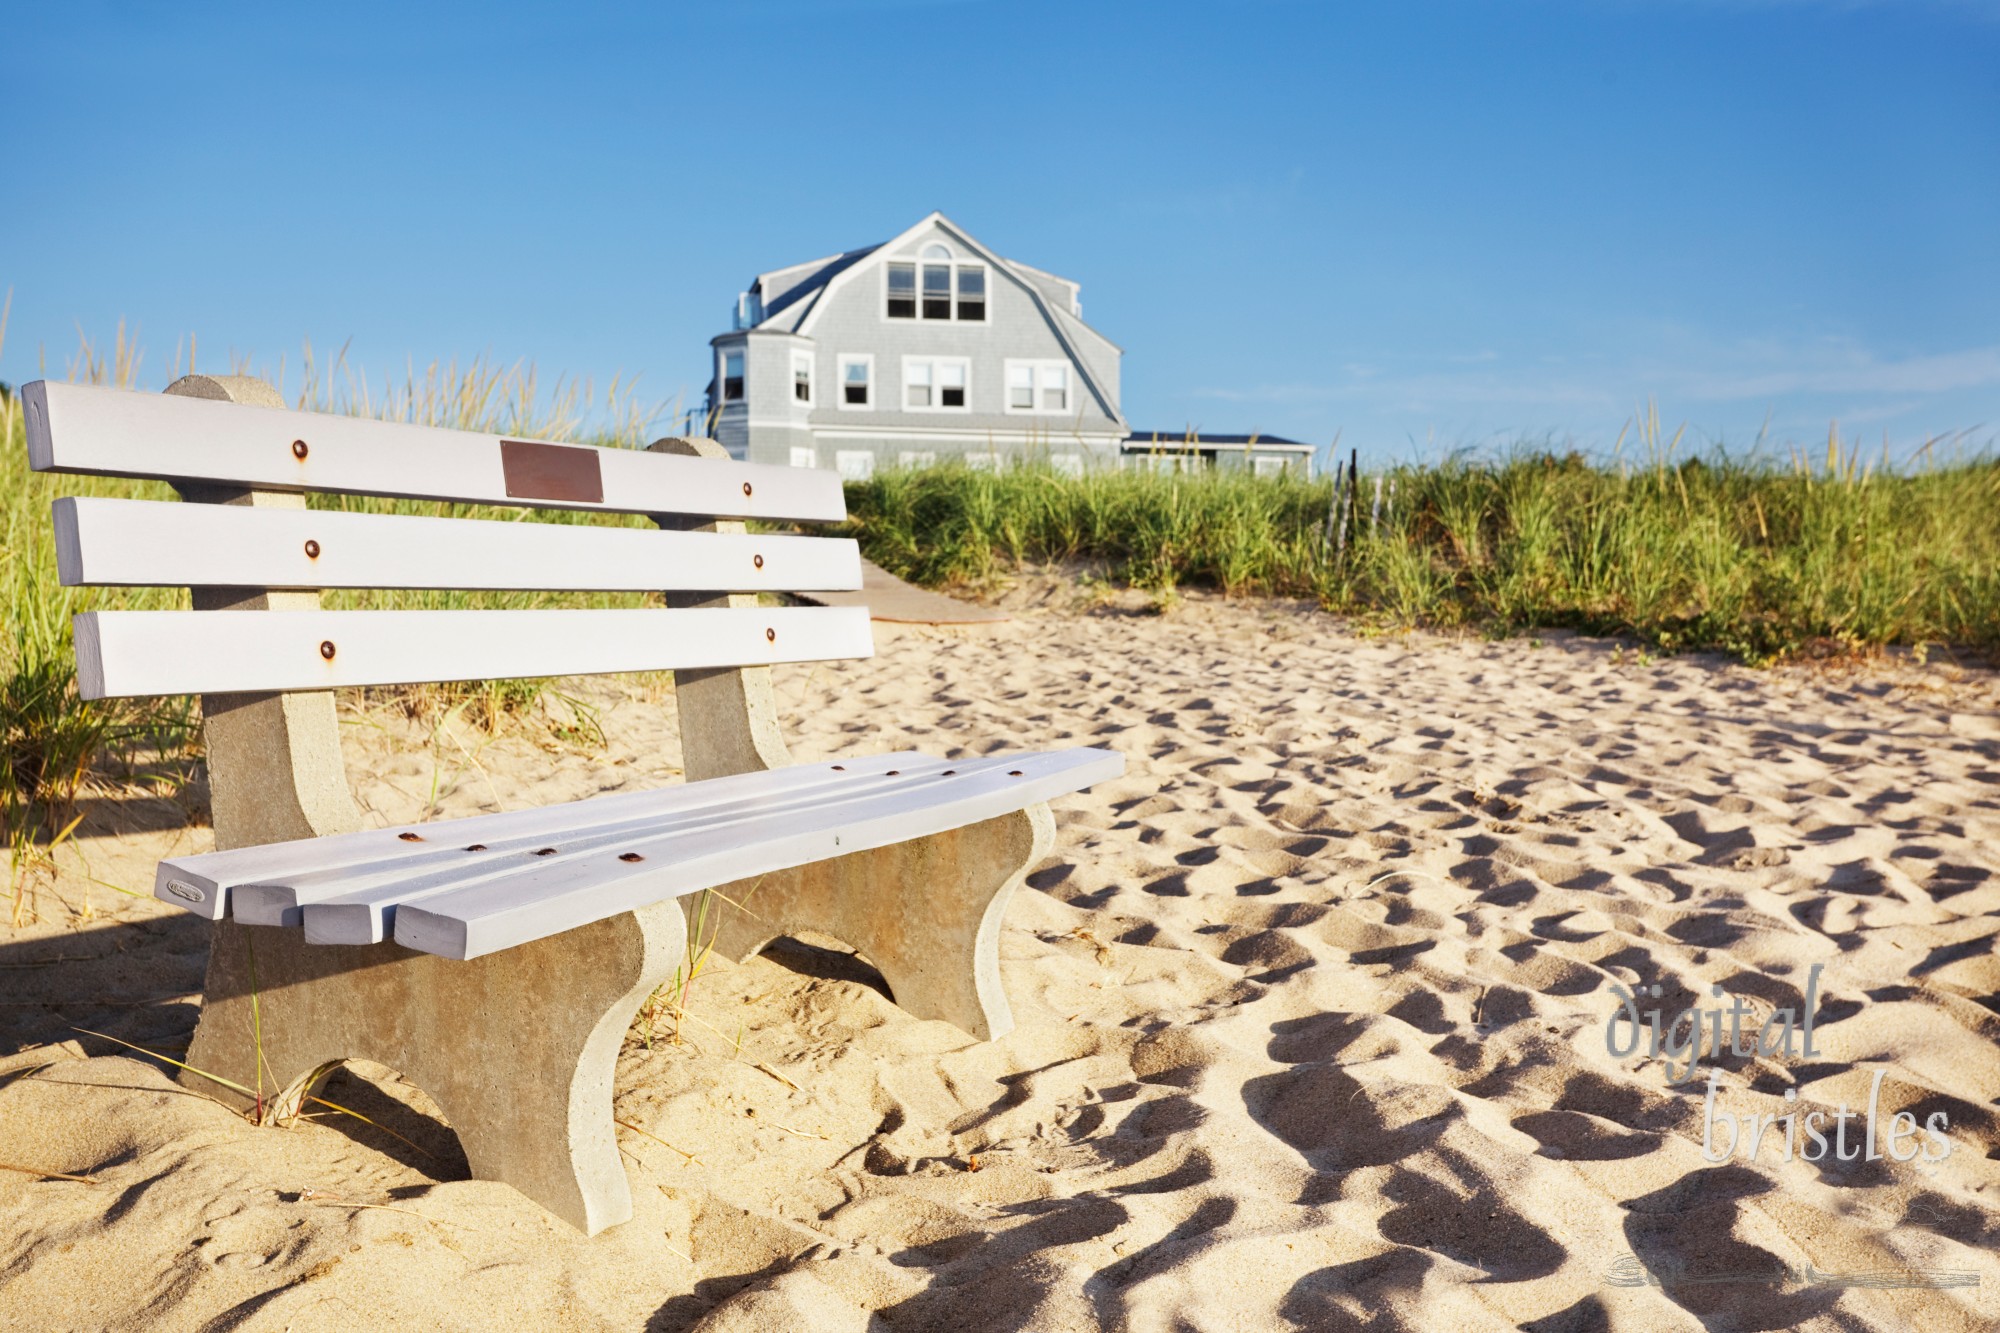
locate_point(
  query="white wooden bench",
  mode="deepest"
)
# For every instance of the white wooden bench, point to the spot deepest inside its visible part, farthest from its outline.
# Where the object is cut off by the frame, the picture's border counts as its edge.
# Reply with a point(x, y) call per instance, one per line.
point(497, 961)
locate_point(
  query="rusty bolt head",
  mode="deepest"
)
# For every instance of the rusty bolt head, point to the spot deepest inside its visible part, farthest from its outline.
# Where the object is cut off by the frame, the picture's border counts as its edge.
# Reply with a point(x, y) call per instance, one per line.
point(299, 450)
point(746, 490)
point(1013, 772)
point(757, 560)
point(312, 549)
point(770, 636)
point(326, 649)
point(477, 847)
point(630, 856)
point(411, 837)
point(546, 851)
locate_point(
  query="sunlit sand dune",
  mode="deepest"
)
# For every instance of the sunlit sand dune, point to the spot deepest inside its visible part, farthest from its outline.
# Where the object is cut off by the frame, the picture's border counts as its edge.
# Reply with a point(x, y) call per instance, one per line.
point(1313, 1009)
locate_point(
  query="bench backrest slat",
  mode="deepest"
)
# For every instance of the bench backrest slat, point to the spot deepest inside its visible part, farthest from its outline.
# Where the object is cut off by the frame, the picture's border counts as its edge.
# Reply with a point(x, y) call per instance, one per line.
point(129, 653)
point(115, 432)
point(145, 543)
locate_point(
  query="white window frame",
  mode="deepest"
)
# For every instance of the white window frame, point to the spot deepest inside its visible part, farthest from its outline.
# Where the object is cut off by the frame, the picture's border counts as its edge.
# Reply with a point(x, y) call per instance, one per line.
point(804, 455)
point(845, 360)
point(919, 261)
point(803, 361)
point(1039, 370)
point(1269, 465)
point(916, 458)
point(958, 267)
point(854, 464)
point(985, 460)
point(722, 375)
point(964, 363)
point(1067, 464)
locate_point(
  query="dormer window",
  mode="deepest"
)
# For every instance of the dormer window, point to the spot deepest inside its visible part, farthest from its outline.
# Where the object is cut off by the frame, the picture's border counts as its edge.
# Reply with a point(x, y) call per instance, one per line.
point(937, 289)
point(971, 292)
point(902, 291)
point(936, 286)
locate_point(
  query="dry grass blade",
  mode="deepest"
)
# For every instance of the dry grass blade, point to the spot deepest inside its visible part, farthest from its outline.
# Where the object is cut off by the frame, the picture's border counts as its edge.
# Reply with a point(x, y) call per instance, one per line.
point(759, 1064)
point(258, 1117)
point(626, 1124)
point(168, 1059)
point(738, 1039)
point(321, 1197)
point(751, 1112)
point(49, 1175)
point(336, 1106)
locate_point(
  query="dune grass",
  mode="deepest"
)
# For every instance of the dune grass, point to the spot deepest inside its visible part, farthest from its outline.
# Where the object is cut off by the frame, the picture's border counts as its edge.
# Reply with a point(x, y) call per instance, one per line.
point(1763, 558)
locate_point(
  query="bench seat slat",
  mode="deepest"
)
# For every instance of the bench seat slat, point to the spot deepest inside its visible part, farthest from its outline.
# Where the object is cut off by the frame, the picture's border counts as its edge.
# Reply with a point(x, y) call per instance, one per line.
point(481, 919)
point(365, 912)
point(273, 893)
point(207, 881)
point(120, 433)
point(123, 654)
point(104, 542)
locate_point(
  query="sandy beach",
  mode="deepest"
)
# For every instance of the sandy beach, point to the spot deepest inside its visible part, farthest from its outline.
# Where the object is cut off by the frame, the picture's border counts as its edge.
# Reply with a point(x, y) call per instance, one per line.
point(1312, 1008)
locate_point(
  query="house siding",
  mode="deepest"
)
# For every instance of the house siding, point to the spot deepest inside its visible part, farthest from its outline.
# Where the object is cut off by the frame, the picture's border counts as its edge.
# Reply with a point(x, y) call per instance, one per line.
point(849, 316)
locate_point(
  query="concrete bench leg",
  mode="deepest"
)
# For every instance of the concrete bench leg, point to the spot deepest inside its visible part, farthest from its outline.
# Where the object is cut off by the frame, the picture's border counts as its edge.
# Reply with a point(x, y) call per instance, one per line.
point(517, 1047)
point(927, 913)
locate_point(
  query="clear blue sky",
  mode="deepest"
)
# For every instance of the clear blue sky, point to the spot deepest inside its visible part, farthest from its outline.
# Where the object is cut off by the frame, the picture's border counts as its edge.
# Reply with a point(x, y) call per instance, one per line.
point(1428, 221)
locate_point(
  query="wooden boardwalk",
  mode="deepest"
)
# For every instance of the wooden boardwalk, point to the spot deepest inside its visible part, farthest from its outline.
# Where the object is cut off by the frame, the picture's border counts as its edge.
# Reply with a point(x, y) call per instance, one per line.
point(889, 598)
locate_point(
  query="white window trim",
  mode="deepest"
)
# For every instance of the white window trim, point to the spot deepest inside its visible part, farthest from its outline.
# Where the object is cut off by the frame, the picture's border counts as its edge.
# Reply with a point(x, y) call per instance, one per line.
point(722, 355)
point(843, 460)
point(805, 455)
point(842, 362)
point(1036, 368)
point(812, 388)
point(956, 262)
point(902, 388)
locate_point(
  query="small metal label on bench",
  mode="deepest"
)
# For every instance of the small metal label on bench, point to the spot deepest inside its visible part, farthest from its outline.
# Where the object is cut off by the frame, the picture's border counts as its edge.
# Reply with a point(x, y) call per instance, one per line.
point(187, 892)
point(561, 472)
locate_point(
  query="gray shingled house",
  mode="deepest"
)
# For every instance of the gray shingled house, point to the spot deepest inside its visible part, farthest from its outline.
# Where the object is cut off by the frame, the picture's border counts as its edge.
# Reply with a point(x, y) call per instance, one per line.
point(926, 348)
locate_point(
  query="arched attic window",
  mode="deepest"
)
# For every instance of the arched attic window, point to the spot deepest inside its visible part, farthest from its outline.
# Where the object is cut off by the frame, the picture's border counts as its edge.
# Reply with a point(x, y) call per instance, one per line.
point(950, 288)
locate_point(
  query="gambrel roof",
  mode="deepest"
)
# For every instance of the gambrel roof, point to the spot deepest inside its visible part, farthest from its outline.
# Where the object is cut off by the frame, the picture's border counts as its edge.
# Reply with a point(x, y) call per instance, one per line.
point(793, 296)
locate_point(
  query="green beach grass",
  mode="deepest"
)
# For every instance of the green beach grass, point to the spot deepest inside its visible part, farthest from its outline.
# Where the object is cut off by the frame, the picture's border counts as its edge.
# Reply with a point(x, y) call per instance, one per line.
point(1765, 558)
point(1762, 558)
